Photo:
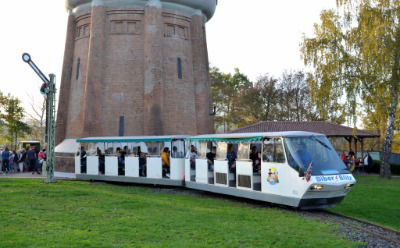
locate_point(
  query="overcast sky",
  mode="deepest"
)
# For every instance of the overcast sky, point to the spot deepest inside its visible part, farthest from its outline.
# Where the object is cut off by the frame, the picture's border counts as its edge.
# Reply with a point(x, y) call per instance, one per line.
point(256, 36)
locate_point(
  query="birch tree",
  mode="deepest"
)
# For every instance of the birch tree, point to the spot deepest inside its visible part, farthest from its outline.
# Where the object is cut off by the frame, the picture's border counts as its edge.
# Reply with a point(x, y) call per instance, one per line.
point(355, 52)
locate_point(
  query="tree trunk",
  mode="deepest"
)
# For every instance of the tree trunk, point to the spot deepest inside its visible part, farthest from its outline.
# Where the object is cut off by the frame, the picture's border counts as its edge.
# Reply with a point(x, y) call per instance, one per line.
point(385, 170)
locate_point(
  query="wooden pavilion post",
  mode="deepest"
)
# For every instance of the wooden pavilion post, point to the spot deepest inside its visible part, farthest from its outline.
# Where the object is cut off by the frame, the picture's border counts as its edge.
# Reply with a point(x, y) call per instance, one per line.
point(355, 146)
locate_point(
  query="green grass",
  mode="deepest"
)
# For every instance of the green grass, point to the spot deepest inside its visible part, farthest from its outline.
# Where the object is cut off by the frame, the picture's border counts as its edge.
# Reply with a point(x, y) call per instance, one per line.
point(375, 200)
point(79, 214)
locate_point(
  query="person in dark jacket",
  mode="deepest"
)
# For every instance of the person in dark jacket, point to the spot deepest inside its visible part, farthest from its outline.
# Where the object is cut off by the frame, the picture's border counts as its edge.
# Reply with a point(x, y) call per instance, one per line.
point(32, 159)
point(5, 156)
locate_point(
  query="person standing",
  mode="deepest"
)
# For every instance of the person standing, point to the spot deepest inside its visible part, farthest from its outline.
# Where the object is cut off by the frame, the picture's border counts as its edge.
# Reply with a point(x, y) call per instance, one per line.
point(21, 160)
point(231, 157)
point(5, 156)
point(82, 155)
point(11, 162)
point(142, 162)
point(211, 157)
point(255, 158)
point(32, 159)
point(192, 155)
point(166, 164)
point(15, 161)
point(344, 157)
point(1, 160)
point(42, 158)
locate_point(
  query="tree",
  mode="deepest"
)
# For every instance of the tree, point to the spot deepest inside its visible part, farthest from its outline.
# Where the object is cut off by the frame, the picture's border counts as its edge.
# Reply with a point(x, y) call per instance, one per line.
point(268, 98)
point(295, 100)
point(37, 119)
point(227, 89)
point(356, 53)
point(12, 115)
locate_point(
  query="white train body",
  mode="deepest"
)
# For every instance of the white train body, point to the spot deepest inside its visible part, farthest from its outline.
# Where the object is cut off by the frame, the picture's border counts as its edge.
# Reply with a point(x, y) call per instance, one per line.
point(298, 169)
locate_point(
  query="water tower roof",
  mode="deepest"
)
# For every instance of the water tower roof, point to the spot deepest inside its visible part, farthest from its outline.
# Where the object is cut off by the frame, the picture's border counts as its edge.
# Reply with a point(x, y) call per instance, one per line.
point(206, 6)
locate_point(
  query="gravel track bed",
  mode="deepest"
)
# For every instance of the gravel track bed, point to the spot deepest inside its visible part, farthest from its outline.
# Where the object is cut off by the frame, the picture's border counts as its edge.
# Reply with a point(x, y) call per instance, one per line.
point(359, 231)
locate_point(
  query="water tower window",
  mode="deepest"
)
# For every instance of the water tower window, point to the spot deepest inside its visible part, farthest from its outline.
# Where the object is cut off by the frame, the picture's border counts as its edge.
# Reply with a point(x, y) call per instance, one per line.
point(179, 65)
point(78, 67)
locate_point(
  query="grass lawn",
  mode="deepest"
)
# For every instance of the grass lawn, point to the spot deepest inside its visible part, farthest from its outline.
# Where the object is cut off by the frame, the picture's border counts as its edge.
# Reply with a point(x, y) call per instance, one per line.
point(375, 200)
point(80, 214)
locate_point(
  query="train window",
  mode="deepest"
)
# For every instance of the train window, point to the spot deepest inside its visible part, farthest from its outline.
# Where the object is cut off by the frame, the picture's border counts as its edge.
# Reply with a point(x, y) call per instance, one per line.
point(111, 148)
point(154, 148)
point(178, 149)
point(273, 151)
point(222, 149)
point(92, 149)
point(243, 152)
point(202, 150)
point(100, 148)
point(279, 155)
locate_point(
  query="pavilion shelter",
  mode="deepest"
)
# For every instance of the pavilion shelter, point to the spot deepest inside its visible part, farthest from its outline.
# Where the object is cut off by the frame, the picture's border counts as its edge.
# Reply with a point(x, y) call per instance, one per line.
point(332, 130)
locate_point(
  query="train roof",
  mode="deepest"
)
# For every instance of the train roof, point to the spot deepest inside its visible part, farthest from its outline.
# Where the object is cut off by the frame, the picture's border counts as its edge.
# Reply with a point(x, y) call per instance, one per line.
point(118, 139)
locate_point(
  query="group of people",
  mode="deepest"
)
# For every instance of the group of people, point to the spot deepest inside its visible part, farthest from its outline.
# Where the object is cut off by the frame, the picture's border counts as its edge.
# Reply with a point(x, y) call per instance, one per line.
point(352, 162)
point(122, 153)
point(23, 160)
point(231, 157)
point(166, 155)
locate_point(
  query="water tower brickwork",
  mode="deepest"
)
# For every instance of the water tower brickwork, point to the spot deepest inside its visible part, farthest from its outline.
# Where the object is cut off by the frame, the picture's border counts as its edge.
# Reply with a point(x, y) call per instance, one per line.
point(135, 67)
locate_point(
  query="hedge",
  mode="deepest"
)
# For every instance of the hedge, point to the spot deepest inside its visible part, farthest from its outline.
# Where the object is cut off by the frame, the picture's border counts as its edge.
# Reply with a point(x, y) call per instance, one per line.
point(395, 168)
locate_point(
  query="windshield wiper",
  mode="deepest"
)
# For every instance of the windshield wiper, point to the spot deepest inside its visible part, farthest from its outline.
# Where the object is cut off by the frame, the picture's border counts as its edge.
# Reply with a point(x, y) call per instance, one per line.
point(321, 142)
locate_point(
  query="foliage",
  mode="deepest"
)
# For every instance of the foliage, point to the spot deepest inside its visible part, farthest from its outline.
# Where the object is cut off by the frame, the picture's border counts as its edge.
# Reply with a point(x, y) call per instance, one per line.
point(240, 102)
point(375, 200)
point(12, 114)
point(37, 119)
point(295, 100)
point(226, 89)
point(81, 214)
point(395, 168)
point(356, 53)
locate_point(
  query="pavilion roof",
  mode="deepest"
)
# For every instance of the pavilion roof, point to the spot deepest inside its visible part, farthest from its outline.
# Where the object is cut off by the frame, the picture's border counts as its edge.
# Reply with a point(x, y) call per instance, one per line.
point(327, 128)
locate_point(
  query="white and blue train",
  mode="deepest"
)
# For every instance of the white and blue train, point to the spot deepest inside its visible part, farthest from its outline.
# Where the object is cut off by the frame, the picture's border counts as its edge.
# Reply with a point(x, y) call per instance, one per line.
point(298, 169)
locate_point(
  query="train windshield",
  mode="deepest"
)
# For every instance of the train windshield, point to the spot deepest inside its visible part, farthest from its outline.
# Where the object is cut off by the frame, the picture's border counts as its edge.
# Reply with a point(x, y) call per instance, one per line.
point(314, 151)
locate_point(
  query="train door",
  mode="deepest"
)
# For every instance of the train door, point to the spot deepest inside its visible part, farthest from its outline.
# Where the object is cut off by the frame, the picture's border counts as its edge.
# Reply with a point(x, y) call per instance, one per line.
point(177, 159)
point(276, 176)
point(92, 159)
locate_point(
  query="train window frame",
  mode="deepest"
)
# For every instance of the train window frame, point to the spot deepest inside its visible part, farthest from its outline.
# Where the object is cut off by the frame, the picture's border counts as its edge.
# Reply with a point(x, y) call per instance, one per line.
point(222, 148)
point(181, 149)
point(243, 152)
point(154, 149)
point(202, 150)
point(274, 156)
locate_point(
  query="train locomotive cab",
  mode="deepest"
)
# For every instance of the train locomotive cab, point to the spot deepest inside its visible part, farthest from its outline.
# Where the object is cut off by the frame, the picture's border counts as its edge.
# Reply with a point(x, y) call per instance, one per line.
point(157, 160)
point(298, 169)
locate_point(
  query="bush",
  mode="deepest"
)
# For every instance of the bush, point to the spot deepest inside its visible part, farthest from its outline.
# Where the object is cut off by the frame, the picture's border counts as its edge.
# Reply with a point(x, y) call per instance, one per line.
point(395, 168)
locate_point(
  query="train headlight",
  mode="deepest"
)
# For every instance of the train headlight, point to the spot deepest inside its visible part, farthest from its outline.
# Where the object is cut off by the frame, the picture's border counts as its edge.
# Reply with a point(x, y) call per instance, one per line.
point(348, 186)
point(317, 187)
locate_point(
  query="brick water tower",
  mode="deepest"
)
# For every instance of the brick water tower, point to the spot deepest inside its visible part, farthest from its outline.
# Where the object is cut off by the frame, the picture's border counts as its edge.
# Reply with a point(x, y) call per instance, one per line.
point(135, 67)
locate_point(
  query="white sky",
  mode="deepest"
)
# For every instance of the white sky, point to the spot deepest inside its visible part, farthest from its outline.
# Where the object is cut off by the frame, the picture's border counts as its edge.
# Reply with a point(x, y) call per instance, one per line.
point(256, 36)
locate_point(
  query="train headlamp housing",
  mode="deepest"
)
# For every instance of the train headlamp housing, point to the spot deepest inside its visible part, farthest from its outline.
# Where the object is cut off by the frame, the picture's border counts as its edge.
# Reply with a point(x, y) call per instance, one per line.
point(348, 186)
point(317, 187)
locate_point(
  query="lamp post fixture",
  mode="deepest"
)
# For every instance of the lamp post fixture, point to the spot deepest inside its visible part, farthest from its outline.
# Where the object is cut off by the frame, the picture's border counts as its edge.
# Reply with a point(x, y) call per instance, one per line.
point(49, 90)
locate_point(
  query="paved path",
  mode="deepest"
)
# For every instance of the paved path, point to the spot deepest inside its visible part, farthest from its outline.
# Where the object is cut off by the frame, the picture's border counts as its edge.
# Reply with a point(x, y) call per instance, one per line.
point(20, 175)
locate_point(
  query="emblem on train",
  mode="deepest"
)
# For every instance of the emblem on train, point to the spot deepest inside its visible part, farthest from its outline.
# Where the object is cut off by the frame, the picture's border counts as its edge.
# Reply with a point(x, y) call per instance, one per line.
point(308, 172)
point(273, 176)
